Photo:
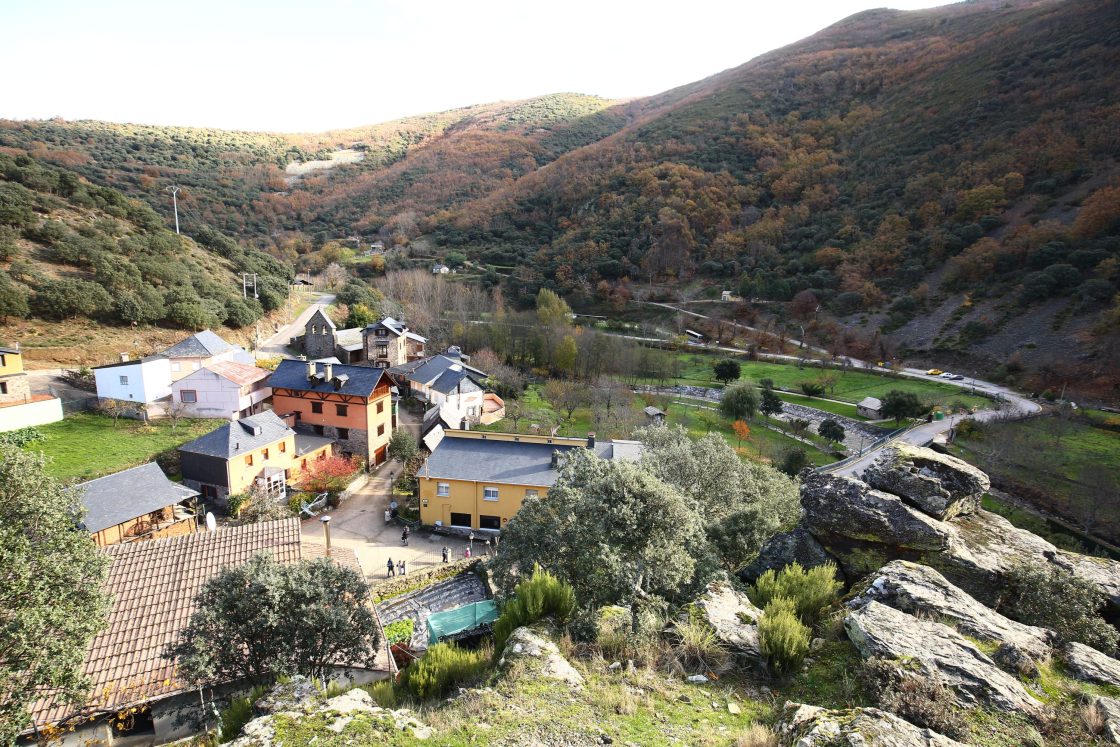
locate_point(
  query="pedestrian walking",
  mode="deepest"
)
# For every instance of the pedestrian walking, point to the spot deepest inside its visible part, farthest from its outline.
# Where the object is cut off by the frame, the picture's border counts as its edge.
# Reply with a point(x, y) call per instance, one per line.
point(404, 536)
point(467, 552)
point(388, 516)
point(401, 567)
point(392, 568)
point(446, 553)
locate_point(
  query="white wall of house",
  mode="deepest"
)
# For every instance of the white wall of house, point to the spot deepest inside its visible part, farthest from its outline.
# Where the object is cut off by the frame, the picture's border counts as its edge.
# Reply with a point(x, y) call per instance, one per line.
point(183, 367)
point(14, 417)
point(139, 382)
point(216, 396)
point(455, 407)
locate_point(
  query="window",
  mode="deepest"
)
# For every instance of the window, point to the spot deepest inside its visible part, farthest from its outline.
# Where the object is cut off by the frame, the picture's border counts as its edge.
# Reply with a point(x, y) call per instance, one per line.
point(248, 460)
point(344, 433)
point(124, 381)
point(529, 493)
point(340, 410)
point(489, 522)
point(283, 446)
point(317, 408)
point(318, 430)
point(381, 407)
point(3, 360)
point(3, 387)
point(264, 454)
point(381, 430)
point(443, 489)
point(382, 332)
point(460, 520)
point(489, 494)
point(189, 396)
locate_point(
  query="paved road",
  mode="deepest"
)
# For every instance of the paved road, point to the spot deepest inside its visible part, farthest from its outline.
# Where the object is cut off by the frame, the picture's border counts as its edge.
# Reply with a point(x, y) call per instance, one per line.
point(277, 345)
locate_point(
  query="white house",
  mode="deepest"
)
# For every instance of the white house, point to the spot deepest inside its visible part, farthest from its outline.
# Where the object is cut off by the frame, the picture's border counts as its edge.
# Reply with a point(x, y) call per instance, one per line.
point(440, 269)
point(191, 354)
point(222, 389)
point(457, 389)
point(146, 381)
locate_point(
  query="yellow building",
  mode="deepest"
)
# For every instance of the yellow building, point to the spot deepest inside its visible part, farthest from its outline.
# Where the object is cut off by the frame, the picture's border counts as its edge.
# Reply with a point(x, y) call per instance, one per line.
point(478, 480)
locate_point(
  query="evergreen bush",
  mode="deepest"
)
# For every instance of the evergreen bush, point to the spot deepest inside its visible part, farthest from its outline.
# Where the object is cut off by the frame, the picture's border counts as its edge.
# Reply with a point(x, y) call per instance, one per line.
point(542, 595)
point(443, 667)
point(810, 591)
point(783, 639)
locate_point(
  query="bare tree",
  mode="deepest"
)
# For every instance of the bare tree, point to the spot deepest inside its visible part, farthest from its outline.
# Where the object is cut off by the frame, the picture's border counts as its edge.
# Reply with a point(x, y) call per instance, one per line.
point(175, 412)
point(566, 396)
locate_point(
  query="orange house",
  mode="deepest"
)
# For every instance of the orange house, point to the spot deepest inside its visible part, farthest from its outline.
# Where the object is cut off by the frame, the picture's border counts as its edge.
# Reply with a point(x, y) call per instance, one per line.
point(353, 405)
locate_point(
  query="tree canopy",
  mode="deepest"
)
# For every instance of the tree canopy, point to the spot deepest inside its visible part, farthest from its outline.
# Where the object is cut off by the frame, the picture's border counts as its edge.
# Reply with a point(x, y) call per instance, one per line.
point(739, 401)
point(52, 600)
point(264, 619)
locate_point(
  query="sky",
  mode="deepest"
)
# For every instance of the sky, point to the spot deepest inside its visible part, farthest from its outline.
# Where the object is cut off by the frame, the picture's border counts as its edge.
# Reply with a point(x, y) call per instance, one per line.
point(315, 65)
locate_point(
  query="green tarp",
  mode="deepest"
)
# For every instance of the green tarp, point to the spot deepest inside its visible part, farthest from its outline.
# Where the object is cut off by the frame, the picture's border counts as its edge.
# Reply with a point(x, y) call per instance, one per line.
point(441, 624)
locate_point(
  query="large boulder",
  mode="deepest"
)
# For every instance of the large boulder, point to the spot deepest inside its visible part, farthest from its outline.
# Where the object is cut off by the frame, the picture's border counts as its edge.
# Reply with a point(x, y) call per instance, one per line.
point(847, 508)
point(1088, 664)
point(937, 650)
point(527, 644)
point(938, 484)
point(921, 590)
point(784, 548)
point(733, 618)
point(810, 726)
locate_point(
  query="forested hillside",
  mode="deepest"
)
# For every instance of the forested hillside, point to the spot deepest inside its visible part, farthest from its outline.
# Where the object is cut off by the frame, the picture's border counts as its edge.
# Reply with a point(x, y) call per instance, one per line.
point(409, 169)
point(947, 176)
point(72, 249)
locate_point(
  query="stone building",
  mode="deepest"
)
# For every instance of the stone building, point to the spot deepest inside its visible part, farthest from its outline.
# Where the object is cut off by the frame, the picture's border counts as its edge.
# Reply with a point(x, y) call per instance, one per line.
point(381, 345)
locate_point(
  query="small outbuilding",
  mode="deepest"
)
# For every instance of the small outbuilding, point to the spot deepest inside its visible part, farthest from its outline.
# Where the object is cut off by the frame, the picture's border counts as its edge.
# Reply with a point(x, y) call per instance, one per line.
point(655, 415)
point(870, 408)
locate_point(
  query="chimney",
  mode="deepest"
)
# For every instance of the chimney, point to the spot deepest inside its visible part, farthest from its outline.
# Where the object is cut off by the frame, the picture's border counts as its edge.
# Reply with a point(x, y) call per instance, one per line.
point(555, 459)
point(327, 531)
point(310, 370)
point(328, 371)
point(591, 440)
point(124, 357)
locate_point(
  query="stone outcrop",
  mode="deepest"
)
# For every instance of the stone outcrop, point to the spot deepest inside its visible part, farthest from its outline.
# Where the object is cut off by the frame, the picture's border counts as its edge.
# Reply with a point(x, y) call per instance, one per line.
point(1089, 665)
point(794, 546)
point(354, 708)
point(809, 726)
point(290, 696)
point(937, 484)
point(733, 618)
point(937, 650)
point(862, 528)
point(846, 508)
point(1108, 711)
point(921, 590)
point(527, 644)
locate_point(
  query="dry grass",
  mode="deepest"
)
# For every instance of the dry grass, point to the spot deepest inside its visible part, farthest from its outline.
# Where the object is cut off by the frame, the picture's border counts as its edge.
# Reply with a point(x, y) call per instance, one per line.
point(756, 735)
point(1093, 718)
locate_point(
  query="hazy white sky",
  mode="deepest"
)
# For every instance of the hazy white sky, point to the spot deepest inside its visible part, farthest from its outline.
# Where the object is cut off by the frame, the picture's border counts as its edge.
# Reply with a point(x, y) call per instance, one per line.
point(315, 65)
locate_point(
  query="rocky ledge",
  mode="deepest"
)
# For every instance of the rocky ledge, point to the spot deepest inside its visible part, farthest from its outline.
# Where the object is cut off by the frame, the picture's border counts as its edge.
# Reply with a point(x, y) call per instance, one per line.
point(809, 726)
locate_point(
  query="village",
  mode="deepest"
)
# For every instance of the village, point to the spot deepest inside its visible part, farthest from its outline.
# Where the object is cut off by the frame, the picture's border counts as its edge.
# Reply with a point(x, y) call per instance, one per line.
point(364, 448)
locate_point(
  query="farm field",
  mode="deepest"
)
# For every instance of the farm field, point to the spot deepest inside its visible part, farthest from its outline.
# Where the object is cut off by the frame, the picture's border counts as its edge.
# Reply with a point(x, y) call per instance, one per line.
point(88, 445)
point(850, 386)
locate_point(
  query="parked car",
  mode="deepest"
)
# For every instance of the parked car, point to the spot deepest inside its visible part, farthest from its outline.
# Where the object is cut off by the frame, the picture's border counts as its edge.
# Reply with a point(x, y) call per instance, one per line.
point(934, 372)
point(946, 375)
point(957, 377)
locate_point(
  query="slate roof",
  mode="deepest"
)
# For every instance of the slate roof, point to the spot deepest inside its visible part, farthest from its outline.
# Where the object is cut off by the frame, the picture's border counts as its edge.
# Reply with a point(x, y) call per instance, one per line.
point(133, 362)
point(204, 344)
point(517, 462)
point(153, 585)
point(239, 373)
point(116, 498)
point(452, 380)
point(321, 317)
point(292, 374)
point(240, 436)
point(652, 411)
point(306, 443)
point(427, 370)
point(397, 328)
point(349, 338)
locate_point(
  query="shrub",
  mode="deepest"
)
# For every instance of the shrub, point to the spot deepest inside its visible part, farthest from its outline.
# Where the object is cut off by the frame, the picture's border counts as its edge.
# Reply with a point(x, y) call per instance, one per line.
point(400, 631)
point(402, 445)
point(810, 591)
point(443, 667)
point(783, 639)
point(540, 596)
point(793, 461)
point(757, 735)
point(383, 693)
point(21, 437)
point(697, 648)
point(240, 712)
point(330, 475)
point(1052, 597)
point(920, 699)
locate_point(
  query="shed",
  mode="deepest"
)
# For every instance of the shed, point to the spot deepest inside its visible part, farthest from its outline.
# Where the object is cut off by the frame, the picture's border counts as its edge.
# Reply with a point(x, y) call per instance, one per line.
point(655, 415)
point(870, 408)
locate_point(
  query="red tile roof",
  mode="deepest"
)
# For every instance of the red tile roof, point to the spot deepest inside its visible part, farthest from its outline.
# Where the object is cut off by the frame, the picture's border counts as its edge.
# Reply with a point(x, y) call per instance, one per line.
point(154, 584)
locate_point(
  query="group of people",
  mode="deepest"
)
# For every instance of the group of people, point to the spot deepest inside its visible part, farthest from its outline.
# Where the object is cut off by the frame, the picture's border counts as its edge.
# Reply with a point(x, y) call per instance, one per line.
point(395, 569)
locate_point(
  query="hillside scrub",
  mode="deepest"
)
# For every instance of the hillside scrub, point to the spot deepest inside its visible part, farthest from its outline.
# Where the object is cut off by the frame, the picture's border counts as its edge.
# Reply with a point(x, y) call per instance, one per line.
point(810, 591)
point(541, 595)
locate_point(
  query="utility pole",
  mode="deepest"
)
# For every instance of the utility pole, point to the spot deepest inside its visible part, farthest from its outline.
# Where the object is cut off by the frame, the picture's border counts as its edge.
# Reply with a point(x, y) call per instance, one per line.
point(246, 279)
point(175, 204)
